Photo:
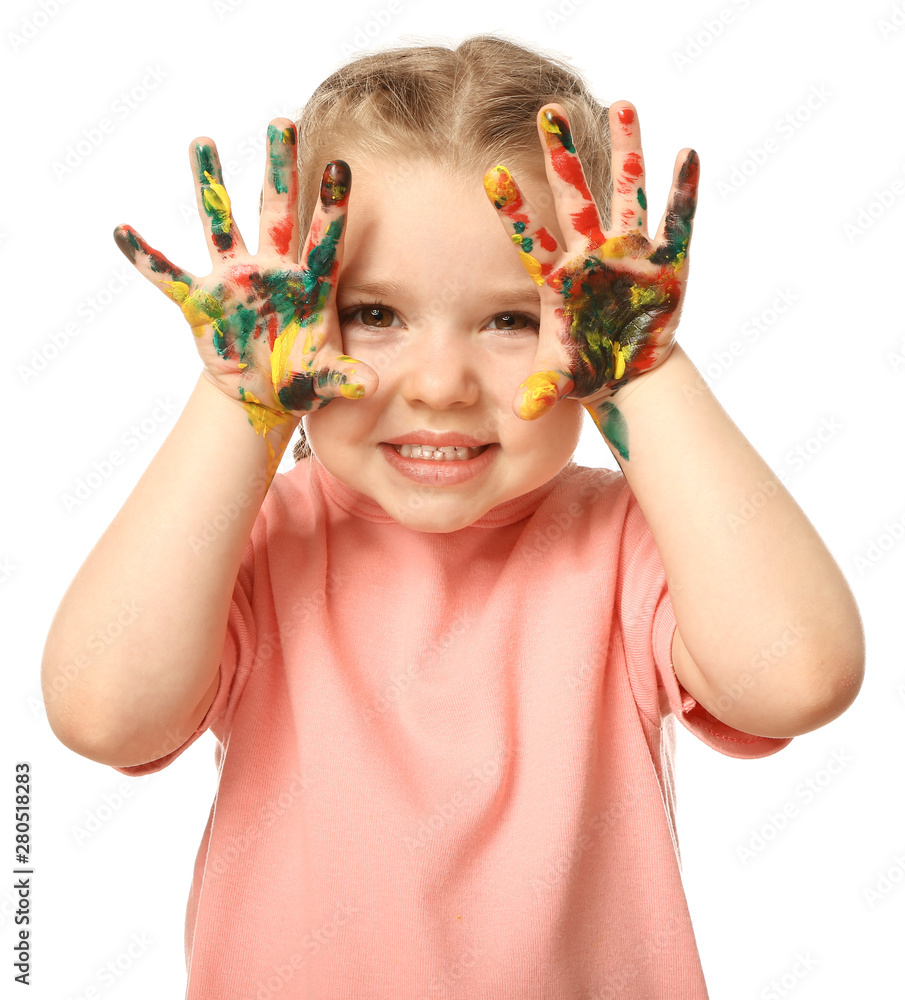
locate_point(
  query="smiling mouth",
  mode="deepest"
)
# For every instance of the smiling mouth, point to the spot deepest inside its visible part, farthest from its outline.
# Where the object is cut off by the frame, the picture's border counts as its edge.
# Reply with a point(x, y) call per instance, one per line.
point(447, 453)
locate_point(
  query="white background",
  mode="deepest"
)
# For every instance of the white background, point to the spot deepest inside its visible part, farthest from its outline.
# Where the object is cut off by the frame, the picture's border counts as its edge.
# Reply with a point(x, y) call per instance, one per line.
point(794, 911)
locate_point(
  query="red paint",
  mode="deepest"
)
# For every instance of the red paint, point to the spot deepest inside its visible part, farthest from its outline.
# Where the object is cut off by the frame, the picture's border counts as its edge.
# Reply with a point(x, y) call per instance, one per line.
point(314, 236)
point(281, 234)
point(569, 169)
point(626, 119)
point(512, 206)
point(587, 223)
point(632, 167)
point(546, 240)
point(272, 330)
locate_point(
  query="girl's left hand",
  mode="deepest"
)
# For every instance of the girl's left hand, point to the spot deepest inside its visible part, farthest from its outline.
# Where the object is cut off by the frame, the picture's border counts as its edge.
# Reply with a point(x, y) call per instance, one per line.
point(610, 302)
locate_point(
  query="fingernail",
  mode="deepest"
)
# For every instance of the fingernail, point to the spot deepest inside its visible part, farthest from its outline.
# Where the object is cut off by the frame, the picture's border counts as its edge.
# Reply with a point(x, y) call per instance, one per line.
point(557, 130)
point(335, 183)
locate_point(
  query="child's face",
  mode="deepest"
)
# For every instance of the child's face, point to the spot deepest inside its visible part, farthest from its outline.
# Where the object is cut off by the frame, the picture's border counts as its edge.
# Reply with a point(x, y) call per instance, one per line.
point(433, 296)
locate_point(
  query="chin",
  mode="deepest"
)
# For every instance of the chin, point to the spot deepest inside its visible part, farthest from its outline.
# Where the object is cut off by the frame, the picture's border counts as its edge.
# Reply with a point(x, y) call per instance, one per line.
point(435, 521)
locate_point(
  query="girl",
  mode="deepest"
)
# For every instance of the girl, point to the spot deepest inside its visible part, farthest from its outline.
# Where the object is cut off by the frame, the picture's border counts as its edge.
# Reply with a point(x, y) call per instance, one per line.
point(441, 660)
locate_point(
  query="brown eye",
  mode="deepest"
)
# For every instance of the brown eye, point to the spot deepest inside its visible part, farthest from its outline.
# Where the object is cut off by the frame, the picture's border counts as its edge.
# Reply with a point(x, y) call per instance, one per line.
point(511, 321)
point(376, 316)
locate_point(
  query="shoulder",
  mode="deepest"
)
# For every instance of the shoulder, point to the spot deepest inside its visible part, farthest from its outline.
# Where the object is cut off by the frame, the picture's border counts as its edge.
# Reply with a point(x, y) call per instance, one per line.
point(603, 492)
point(290, 502)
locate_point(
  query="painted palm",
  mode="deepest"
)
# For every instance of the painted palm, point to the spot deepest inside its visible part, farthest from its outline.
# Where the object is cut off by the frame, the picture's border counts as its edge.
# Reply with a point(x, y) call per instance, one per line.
point(610, 301)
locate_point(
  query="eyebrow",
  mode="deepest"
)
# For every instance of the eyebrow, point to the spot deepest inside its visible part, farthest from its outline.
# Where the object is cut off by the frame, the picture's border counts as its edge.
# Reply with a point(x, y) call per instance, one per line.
point(391, 288)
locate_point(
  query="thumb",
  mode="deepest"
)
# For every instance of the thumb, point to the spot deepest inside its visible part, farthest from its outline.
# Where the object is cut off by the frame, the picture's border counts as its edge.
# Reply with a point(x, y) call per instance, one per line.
point(541, 391)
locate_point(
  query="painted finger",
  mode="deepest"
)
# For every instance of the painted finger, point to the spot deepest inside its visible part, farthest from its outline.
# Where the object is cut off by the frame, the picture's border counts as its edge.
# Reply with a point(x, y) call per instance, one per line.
point(629, 208)
point(171, 279)
point(536, 245)
point(674, 234)
point(200, 308)
point(299, 376)
point(223, 236)
point(576, 210)
point(279, 221)
point(542, 390)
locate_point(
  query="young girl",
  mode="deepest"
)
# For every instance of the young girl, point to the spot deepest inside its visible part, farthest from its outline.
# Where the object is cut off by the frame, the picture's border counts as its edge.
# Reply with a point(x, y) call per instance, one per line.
point(441, 660)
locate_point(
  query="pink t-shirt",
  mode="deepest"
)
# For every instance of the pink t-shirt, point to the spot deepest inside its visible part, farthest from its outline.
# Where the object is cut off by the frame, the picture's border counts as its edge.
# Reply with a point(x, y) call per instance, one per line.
point(446, 760)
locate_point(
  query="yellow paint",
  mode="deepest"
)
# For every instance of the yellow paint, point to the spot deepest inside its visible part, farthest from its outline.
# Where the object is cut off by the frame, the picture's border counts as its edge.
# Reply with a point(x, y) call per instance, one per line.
point(500, 186)
point(642, 298)
point(176, 290)
point(628, 245)
point(532, 267)
point(279, 360)
point(549, 126)
point(198, 307)
point(618, 361)
point(540, 394)
point(216, 200)
point(263, 419)
point(354, 390)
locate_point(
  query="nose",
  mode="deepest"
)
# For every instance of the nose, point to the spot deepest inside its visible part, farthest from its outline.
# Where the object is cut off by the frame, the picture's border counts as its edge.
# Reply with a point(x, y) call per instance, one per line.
point(437, 369)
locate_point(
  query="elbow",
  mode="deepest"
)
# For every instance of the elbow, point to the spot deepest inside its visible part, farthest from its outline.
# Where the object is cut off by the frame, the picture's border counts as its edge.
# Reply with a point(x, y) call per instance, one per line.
point(807, 695)
point(834, 681)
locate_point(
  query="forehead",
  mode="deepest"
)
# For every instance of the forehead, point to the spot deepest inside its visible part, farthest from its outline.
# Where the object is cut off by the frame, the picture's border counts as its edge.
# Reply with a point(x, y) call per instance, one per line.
point(419, 219)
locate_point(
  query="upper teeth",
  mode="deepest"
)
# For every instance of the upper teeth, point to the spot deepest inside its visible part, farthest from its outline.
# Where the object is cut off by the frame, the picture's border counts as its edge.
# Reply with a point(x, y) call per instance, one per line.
point(444, 454)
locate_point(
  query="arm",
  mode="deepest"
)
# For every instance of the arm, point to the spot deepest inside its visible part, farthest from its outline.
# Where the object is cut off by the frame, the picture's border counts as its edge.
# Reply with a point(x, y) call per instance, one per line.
point(142, 694)
point(768, 636)
point(267, 330)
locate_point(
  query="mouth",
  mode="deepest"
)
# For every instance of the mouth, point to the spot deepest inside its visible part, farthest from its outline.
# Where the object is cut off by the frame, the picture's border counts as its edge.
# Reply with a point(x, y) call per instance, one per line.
point(446, 453)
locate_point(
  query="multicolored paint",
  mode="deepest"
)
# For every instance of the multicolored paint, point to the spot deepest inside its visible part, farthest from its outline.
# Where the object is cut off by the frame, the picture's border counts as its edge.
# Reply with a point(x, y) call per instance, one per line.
point(283, 180)
point(281, 154)
point(214, 197)
point(619, 297)
point(243, 305)
point(336, 184)
point(507, 199)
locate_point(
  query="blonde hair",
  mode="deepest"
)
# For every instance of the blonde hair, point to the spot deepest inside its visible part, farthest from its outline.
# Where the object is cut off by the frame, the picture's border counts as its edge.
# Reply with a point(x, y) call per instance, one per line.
point(469, 106)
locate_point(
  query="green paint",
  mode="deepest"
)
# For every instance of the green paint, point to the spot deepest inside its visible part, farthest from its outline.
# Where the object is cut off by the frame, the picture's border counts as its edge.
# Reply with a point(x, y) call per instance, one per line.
point(277, 139)
point(204, 160)
point(680, 214)
point(321, 257)
point(642, 199)
point(245, 321)
point(560, 129)
point(614, 428)
point(519, 227)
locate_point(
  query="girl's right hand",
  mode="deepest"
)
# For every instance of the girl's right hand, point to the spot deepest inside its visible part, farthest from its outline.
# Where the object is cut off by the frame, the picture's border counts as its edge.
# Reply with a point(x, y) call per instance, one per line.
point(265, 326)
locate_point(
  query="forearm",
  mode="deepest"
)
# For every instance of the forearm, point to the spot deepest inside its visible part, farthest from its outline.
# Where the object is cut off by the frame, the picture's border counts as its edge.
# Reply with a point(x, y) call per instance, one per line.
point(761, 606)
point(136, 642)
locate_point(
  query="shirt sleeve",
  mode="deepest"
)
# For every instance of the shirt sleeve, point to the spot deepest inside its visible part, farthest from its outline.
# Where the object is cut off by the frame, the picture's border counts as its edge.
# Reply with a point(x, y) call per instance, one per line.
point(235, 664)
point(648, 623)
